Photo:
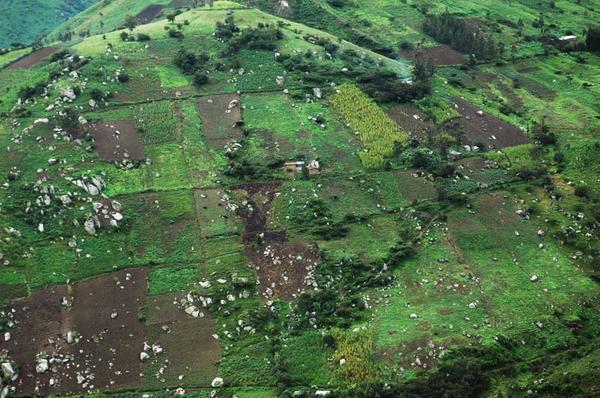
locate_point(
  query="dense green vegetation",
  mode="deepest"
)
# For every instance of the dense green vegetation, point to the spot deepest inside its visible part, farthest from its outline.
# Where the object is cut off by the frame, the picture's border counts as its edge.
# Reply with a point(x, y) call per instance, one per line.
point(23, 22)
point(361, 199)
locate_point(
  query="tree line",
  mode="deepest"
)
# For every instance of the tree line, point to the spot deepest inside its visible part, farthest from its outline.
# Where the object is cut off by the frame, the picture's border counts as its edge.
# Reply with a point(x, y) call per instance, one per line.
point(461, 35)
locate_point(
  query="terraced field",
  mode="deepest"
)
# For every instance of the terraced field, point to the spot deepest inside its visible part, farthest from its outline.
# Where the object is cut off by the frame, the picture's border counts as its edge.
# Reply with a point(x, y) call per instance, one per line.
point(206, 199)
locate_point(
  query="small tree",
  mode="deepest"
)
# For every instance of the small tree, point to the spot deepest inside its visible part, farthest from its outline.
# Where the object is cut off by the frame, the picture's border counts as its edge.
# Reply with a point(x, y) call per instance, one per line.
point(131, 22)
point(200, 78)
point(592, 39)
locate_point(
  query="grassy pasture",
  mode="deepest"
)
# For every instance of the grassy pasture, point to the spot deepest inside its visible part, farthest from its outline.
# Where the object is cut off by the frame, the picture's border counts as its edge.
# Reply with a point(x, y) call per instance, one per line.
point(295, 136)
point(470, 283)
point(474, 284)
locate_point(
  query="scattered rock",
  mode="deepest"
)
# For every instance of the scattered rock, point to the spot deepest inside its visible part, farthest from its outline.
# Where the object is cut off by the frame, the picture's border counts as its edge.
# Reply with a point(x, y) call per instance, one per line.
point(217, 382)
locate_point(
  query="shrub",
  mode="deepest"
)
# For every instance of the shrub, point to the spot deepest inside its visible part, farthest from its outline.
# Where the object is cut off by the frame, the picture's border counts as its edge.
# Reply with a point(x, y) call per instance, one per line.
point(582, 191)
point(30, 92)
point(200, 78)
point(96, 94)
point(592, 39)
point(174, 33)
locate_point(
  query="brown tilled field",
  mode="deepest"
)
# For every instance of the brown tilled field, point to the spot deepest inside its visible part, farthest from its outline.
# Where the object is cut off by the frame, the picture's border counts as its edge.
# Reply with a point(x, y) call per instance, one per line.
point(106, 317)
point(283, 269)
point(478, 127)
point(411, 119)
point(438, 56)
point(117, 140)
point(34, 58)
point(220, 116)
point(190, 350)
point(260, 197)
point(149, 13)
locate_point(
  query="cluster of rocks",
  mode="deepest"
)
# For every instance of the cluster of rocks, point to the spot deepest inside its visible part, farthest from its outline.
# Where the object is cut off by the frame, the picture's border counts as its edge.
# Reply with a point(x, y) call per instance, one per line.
point(285, 262)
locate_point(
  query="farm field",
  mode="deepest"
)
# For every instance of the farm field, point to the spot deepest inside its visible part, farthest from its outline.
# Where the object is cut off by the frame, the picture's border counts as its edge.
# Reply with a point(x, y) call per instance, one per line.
point(303, 198)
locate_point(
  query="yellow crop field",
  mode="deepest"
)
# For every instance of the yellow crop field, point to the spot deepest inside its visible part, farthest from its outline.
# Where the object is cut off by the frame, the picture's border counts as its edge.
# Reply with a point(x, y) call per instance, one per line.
point(379, 134)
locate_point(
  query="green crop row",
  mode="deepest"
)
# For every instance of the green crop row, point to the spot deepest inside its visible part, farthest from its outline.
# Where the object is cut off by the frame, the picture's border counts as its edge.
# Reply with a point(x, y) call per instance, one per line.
point(380, 136)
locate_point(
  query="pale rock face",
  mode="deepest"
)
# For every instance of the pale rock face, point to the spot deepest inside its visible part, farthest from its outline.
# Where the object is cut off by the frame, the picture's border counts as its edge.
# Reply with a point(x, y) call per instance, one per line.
point(8, 371)
point(90, 226)
point(68, 93)
point(41, 365)
point(217, 382)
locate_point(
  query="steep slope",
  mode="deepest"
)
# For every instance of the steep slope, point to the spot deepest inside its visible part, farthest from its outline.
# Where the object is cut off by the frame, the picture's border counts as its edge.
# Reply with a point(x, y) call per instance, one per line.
point(230, 204)
point(24, 20)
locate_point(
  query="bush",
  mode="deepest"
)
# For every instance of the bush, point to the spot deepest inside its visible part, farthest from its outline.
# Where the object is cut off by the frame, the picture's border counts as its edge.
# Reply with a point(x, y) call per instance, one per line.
point(200, 78)
point(174, 33)
point(260, 38)
point(582, 191)
point(592, 39)
point(96, 94)
point(29, 92)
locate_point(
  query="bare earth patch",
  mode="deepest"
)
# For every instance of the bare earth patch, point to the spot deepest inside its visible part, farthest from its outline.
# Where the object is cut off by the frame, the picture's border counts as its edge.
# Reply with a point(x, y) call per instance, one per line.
point(117, 140)
point(438, 56)
point(220, 115)
point(410, 119)
point(190, 350)
point(34, 58)
point(106, 318)
point(478, 127)
point(149, 13)
point(284, 268)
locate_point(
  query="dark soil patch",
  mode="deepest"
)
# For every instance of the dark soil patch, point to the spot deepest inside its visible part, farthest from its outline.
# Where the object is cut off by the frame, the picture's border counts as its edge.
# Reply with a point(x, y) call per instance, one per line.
point(219, 120)
point(255, 216)
point(528, 69)
point(117, 140)
point(535, 88)
point(283, 269)
point(34, 58)
point(476, 127)
point(108, 314)
point(149, 13)
point(107, 355)
point(41, 323)
point(106, 340)
point(190, 350)
point(438, 56)
point(411, 119)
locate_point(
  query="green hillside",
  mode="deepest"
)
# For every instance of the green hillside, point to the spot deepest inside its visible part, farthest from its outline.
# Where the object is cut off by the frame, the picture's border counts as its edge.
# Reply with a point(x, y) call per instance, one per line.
point(303, 199)
point(23, 21)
